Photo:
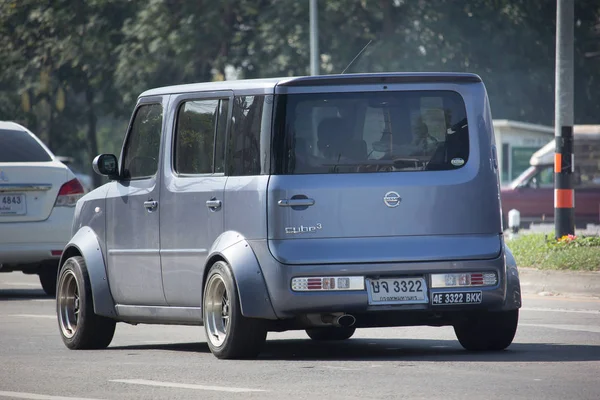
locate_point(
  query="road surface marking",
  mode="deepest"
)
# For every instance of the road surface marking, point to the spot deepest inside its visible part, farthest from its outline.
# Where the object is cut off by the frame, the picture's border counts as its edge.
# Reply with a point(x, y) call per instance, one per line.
point(20, 395)
point(561, 310)
point(31, 316)
point(572, 298)
point(577, 328)
point(186, 386)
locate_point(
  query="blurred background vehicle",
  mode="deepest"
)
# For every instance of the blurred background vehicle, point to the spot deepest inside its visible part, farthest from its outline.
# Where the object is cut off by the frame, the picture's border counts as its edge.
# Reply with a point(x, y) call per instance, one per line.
point(38, 194)
point(85, 179)
point(532, 192)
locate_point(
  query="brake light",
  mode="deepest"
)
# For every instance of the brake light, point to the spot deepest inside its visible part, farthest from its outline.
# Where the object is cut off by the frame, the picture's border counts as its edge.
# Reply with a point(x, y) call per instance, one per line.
point(69, 193)
point(304, 284)
point(464, 279)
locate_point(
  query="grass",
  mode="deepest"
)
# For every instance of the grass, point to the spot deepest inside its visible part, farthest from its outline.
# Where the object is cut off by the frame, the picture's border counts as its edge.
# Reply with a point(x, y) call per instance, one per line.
point(543, 251)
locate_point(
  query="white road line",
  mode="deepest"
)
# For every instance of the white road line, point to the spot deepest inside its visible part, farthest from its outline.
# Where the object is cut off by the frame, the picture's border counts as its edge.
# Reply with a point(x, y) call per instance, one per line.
point(31, 316)
point(561, 310)
point(577, 328)
point(21, 395)
point(186, 386)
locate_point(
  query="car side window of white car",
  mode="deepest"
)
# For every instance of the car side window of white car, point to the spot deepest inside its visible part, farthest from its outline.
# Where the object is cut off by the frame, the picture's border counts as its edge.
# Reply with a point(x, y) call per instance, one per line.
point(141, 152)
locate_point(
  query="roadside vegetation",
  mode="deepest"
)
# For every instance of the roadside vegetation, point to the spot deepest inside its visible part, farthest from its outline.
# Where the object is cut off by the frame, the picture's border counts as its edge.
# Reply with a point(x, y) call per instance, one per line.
point(543, 251)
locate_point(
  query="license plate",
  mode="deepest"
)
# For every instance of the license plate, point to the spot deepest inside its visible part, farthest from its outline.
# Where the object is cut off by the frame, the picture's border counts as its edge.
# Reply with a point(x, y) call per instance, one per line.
point(397, 291)
point(12, 204)
point(456, 298)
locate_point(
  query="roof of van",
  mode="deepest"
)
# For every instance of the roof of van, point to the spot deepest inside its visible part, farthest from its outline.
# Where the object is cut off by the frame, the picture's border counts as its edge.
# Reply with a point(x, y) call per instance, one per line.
point(581, 133)
point(337, 79)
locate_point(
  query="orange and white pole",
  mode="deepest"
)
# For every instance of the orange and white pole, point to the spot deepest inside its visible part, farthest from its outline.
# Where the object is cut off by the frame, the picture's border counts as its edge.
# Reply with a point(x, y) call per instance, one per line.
point(564, 159)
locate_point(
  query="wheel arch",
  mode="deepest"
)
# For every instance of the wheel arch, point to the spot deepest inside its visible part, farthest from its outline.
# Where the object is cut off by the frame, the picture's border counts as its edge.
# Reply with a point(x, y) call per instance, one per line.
point(85, 243)
point(233, 249)
point(513, 282)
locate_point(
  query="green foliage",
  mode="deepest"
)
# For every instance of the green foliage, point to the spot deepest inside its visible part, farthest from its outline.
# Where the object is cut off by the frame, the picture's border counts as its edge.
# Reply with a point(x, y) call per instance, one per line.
point(545, 252)
point(69, 66)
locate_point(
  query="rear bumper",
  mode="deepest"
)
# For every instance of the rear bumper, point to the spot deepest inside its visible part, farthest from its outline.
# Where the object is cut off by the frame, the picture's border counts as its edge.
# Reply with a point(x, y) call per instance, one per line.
point(24, 244)
point(289, 304)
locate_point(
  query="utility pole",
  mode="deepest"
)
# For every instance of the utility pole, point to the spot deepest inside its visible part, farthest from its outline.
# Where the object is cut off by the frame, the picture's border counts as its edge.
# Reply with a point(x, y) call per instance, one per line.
point(314, 38)
point(564, 159)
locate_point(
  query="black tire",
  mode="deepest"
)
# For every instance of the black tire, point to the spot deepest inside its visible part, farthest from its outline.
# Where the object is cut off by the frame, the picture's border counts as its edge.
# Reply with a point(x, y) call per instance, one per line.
point(242, 338)
point(330, 333)
point(79, 327)
point(48, 276)
point(490, 331)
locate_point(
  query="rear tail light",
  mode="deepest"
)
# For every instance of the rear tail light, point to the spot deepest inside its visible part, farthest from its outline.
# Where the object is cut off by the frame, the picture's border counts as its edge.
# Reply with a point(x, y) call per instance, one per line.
point(69, 193)
point(464, 279)
point(318, 283)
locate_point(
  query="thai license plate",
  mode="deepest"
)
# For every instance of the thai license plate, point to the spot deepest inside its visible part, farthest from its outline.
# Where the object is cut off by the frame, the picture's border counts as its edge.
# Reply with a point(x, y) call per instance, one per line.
point(456, 298)
point(12, 204)
point(397, 291)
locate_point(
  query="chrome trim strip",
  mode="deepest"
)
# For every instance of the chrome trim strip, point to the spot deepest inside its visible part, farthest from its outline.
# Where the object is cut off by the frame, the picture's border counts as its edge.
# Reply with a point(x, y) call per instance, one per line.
point(24, 187)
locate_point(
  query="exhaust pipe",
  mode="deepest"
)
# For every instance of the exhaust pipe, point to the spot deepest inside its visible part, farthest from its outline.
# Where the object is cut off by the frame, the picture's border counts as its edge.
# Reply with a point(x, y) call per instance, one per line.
point(345, 320)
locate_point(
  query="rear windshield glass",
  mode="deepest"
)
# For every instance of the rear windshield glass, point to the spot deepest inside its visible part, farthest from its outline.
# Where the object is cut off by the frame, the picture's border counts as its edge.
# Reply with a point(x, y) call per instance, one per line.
point(19, 146)
point(370, 132)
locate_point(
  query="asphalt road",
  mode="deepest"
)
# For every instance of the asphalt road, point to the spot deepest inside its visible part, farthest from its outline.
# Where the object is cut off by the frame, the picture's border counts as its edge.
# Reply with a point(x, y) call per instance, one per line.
point(555, 355)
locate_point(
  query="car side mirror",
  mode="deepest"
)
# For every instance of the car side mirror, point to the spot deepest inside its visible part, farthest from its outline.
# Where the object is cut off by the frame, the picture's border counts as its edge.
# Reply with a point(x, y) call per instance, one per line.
point(106, 165)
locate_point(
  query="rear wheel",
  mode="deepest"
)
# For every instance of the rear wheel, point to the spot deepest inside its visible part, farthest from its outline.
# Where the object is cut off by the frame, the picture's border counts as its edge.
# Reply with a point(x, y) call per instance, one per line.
point(330, 333)
point(229, 334)
point(48, 277)
point(491, 331)
point(79, 327)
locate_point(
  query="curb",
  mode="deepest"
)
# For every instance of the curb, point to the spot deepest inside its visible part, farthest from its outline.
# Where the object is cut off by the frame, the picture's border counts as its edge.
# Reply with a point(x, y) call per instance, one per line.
point(549, 282)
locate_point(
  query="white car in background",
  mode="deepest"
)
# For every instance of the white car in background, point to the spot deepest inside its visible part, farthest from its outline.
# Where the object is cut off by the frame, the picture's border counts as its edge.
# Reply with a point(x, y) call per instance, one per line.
point(38, 194)
point(86, 180)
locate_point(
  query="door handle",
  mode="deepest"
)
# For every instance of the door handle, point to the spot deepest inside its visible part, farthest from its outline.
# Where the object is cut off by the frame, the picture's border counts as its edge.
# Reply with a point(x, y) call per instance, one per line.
point(213, 204)
point(150, 205)
point(296, 202)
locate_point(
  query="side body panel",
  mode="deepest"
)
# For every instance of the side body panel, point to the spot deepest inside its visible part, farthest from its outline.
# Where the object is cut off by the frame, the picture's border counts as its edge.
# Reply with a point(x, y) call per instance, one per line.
point(132, 235)
point(188, 227)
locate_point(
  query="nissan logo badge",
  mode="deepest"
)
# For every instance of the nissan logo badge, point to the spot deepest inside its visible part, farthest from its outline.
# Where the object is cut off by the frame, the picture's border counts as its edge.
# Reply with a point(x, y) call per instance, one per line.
point(392, 199)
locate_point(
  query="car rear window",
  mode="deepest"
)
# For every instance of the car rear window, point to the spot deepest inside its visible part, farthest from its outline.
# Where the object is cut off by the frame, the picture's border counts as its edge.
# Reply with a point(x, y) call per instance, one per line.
point(363, 132)
point(19, 146)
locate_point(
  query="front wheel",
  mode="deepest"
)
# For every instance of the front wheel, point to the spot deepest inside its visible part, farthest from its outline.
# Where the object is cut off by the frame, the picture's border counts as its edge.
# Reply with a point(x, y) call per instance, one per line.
point(79, 327)
point(490, 331)
point(229, 334)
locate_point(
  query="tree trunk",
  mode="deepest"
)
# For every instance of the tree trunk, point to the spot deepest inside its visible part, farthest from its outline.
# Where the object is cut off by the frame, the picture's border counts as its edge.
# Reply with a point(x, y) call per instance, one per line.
point(91, 132)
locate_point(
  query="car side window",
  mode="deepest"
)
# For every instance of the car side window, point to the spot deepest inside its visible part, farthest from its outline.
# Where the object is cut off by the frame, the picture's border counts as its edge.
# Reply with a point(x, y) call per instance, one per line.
point(195, 136)
point(142, 149)
point(243, 149)
point(543, 179)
